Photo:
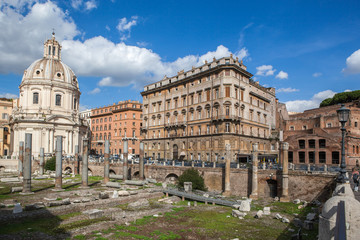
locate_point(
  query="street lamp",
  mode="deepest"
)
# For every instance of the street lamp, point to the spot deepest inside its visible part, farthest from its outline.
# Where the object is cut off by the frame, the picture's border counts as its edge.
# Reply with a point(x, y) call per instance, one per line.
point(343, 115)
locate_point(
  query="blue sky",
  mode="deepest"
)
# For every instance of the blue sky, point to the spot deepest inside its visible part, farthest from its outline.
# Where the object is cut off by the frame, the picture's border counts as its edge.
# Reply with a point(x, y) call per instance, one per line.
point(307, 50)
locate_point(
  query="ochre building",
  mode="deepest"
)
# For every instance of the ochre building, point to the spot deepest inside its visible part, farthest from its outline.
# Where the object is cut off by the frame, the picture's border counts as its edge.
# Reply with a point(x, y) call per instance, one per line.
point(314, 136)
point(194, 114)
point(6, 106)
point(116, 122)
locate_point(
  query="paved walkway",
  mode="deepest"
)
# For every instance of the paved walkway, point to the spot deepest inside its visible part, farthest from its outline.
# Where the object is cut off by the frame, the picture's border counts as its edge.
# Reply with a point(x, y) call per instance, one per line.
point(357, 194)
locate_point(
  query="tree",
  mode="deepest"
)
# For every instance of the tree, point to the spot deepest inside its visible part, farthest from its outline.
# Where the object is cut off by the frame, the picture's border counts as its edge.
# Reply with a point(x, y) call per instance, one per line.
point(343, 97)
point(50, 164)
point(192, 175)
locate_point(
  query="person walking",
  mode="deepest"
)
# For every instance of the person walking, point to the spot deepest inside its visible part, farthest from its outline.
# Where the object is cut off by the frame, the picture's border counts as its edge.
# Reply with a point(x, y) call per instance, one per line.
point(355, 177)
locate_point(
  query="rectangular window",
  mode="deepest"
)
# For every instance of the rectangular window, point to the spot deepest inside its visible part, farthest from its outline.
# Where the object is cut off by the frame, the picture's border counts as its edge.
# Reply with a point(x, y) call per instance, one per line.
point(311, 157)
point(227, 72)
point(302, 144)
point(322, 157)
point(35, 98)
point(290, 157)
point(302, 157)
point(207, 95)
point(236, 93)
point(322, 143)
point(134, 115)
point(217, 93)
point(311, 143)
point(227, 91)
point(335, 157)
point(227, 130)
point(58, 100)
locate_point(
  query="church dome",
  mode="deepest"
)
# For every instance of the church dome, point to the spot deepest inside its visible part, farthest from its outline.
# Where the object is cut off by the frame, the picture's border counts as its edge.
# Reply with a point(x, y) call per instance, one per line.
point(50, 67)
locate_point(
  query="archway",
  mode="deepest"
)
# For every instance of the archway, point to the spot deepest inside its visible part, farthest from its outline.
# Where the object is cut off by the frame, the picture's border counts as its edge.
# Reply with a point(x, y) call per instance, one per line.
point(2, 169)
point(68, 170)
point(175, 152)
point(171, 178)
point(112, 172)
point(90, 173)
point(271, 188)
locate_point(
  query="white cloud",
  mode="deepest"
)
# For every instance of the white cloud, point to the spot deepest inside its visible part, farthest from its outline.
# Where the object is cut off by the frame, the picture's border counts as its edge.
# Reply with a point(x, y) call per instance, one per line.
point(76, 3)
point(8, 95)
point(314, 102)
point(83, 107)
point(22, 36)
point(95, 91)
point(107, 28)
point(265, 70)
point(348, 90)
point(282, 75)
point(317, 74)
point(89, 5)
point(117, 64)
point(353, 63)
point(125, 26)
point(287, 90)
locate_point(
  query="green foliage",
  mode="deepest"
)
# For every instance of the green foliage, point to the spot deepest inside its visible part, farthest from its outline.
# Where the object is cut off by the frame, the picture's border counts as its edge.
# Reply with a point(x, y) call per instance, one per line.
point(343, 97)
point(192, 175)
point(50, 164)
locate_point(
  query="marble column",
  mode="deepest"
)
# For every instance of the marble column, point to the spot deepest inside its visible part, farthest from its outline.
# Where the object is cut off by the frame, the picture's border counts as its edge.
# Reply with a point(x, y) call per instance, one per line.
point(285, 173)
point(27, 164)
point(21, 158)
point(125, 163)
point(85, 172)
point(227, 191)
point(41, 170)
point(106, 161)
point(77, 162)
point(254, 178)
point(141, 161)
point(58, 169)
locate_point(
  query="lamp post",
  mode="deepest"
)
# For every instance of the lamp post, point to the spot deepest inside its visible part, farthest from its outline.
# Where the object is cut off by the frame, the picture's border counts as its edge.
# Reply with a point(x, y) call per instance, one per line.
point(343, 115)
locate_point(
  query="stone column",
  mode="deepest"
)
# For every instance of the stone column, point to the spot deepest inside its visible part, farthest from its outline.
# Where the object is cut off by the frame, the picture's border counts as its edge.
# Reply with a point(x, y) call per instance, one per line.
point(106, 161)
point(77, 162)
point(141, 161)
point(27, 164)
point(41, 171)
point(125, 163)
point(227, 191)
point(71, 151)
point(51, 141)
point(285, 173)
point(254, 176)
point(21, 158)
point(84, 172)
point(58, 173)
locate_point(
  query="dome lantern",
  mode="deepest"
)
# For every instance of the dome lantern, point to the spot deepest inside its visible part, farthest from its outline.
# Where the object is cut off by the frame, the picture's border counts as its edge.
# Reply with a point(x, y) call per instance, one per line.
point(52, 48)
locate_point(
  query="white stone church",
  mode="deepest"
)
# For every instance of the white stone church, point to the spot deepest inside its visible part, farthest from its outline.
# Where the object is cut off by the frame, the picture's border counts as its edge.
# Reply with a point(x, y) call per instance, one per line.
point(48, 105)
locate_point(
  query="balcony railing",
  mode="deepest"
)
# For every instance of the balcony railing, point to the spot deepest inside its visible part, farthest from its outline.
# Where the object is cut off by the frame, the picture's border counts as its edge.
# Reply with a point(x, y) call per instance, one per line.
point(226, 118)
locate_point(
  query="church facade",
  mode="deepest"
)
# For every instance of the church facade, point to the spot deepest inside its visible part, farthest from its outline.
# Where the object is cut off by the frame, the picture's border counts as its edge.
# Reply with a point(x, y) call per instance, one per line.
point(48, 105)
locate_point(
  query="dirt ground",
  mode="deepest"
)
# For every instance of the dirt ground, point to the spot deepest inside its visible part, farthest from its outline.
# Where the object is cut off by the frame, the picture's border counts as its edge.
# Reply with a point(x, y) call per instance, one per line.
point(157, 220)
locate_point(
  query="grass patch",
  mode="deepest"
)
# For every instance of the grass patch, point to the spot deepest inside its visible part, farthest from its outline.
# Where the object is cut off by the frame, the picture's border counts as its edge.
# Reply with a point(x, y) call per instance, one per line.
point(144, 220)
point(69, 215)
point(78, 224)
point(80, 237)
point(95, 178)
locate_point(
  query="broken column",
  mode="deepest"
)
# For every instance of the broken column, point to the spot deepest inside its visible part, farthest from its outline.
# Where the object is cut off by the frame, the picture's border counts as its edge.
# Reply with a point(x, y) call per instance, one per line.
point(106, 161)
point(85, 171)
point(77, 162)
point(42, 155)
point(21, 158)
point(285, 173)
point(125, 163)
point(27, 164)
point(254, 179)
point(58, 168)
point(141, 161)
point(227, 191)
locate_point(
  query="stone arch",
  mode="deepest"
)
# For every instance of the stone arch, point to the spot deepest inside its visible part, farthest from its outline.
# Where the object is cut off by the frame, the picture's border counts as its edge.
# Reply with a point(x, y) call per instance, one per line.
point(90, 172)
point(111, 171)
point(136, 174)
point(68, 169)
point(171, 178)
point(2, 169)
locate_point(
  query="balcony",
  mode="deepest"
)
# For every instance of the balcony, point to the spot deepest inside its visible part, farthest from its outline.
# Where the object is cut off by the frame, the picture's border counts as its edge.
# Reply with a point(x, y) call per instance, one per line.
point(232, 118)
point(175, 124)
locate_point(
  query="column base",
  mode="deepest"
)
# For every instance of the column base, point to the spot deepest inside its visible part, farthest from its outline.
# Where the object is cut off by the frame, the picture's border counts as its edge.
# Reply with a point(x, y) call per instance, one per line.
point(226, 193)
point(254, 196)
point(284, 199)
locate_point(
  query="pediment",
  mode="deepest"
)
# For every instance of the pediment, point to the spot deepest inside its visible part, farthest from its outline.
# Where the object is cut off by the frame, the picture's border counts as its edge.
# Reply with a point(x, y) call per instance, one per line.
point(60, 120)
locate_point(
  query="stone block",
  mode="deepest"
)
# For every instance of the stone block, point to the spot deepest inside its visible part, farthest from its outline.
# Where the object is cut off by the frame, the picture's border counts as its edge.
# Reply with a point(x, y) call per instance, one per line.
point(237, 213)
point(164, 185)
point(55, 203)
point(94, 213)
point(115, 194)
point(123, 193)
point(151, 180)
point(77, 201)
point(278, 216)
point(136, 183)
point(103, 195)
point(50, 199)
point(188, 186)
point(66, 201)
point(259, 214)
point(285, 220)
point(113, 184)
point(245, 206)
point(16, 189)
point(133, 192)
point(117, 177)
point(267, 211)
point(40, 177)
point(10, 180)
point(308, 225)
point(236, 206)
point(84, 200)
point(310, 216)
point(17, 208)
point(297, 201)
point(142, 203)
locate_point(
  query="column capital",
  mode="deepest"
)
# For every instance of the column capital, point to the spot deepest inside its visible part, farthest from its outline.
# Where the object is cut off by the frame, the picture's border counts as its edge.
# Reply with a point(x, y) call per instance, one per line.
point(285, 146)
point(255, 147)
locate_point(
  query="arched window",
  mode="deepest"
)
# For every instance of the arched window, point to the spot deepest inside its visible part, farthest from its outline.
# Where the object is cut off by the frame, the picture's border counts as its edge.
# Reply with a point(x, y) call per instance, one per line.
point(75, 103)
point(58, 100)
point(109, 136)
point(35, 98)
